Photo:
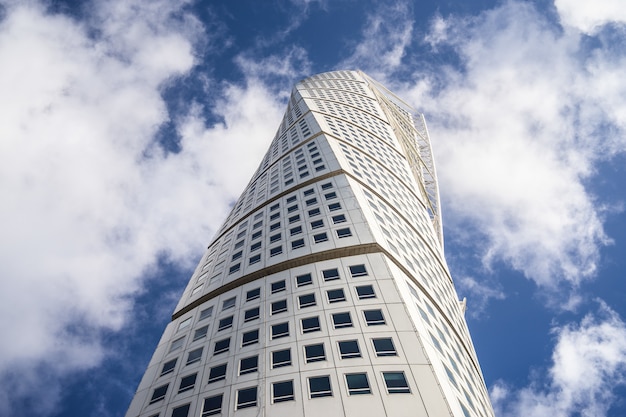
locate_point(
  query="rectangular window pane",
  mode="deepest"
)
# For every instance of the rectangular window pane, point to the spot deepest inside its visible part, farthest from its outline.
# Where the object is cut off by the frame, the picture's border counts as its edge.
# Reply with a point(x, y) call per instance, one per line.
point(282, 391)
point(225, 323)
point(217, 373)
point(384, 347)
point(278, 286)
point(335, 296)
point(194, 356)
point(358, 271)
point(296, 244)
point(182, 411)
point(320, 386)
point(187, 383)
point(358, 384)
point(279, 306)
point(159, 393)
point(212, 406)
point(248, 365)
point(251, 314)
point(280, 330)
point(396, 383)
point(169, 367)
point(305, 279)
point(221, 346)
point(281, 358)
point(230, 303)
point(341, 320)
point(330, 274)
point(374, 317)
point(250, 338)
point(314, 353)
point(310, 324)
point(206, 313)
point(306, 300)
point(365, 291)
point(340, 218)
point(253, 294)
point(246, 398)
point(349, 349)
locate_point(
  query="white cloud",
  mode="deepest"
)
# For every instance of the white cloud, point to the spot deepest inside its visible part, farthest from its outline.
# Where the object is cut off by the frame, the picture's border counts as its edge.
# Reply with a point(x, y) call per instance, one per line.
point(589, 17)
point(588, 365)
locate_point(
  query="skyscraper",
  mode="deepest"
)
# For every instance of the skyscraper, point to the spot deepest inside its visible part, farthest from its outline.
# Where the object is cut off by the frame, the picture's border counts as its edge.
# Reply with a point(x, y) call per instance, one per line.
point(325, 292)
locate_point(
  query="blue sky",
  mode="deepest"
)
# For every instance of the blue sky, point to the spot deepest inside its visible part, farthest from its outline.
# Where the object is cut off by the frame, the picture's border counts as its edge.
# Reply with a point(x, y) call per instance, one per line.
point(127, 128)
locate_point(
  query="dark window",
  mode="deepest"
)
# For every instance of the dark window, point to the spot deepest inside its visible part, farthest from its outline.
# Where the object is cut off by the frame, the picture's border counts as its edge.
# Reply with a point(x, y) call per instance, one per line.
point(308, 192)
point(169, 366)
point(159, 393)
point(317, 224)
point(246, 398)
point(206, 313)
point(330, 196)
point(281, 358)
point(340, 218)
point(296, 244)
point(330, 274)
point(295, 230)
point(230, 303)
point(221, 346)
point(279, 306)
point(236, 256)
point(320, 237)
point(291, 199)
point(314, 353)
point(310, 324)
point(187, 383)
point(212, 406)
point(256, 235)
point(249, 365)
point(274, 207)
point(234, 268)
point(200, 332)
point(335, 296)
point(278, 286)
point(276, 251)
point(327, 186)
point(384, 347)
point(344, 232)
point(225, 323)
point(314, 212)
point(319, 386)
point(255, 246)
point(240, 243)
point(335, 207)
point(293, 208)
point(349, 349)
point(294, 219)
point(257, 224)
point(217, 373)
point(302, 280)
point(311, 201)
point(358, 384)
point(275, 238)
point(182, 411)
point(194, 356)
point(306, 300)
point(253, 294)
point(358, 270)
point(274, 226)
point(282, 391)
point(250, 338)
point(254, 259)
point(341, 320)
point(251, 314)
point(274, 216)
point(396, 383)
point(365, 291)
point(280, 330)
point(374, 317)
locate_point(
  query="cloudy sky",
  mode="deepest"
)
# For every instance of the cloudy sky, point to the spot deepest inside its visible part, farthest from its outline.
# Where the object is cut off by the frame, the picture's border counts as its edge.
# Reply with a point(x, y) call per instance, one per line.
point(127, 128)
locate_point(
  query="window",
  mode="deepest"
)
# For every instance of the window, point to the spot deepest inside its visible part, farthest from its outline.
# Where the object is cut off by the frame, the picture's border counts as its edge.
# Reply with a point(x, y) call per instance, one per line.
point(257, 224)
point(241, 242)
point(206, 313)
point(194, 356)
point(384, 347)
point(340, 218)
point(275, 226)
point(319, 386)
point(358, 271)
point(294, 219)
point(255, 246)
point(234, 268)
point(187, 383)
point(221, 346)
point(249, 365)
point(168, 367)
point(250, 338)
point(314, 353)
point(296, 244)
point(281, 358)
point(182, 411)
point(251, 314)
point(278, 286)
point(330, 196)
point(217, 373)
point(280, 330)
point(334, 207)
point(184, 324)
point(212, 406)
point(320, 237)
point(317, 224)
point(279, 306)
point(230, 303)
point(306, 300)
point(396, 383)
point(365, 291)
point(308, 192)
point(314, 212)
point(256, 235)
point(177, 344)
point(253, 294)
point(254, 259)
point(374, 317)
point(295, 230)
point(275, 207)
point(335, 296)
point(159, 393)
point(236, 256)
point(302, 280)
point(246, 398)
point(291, 200)
point(341, 320)
point(349, 349)
point(327, 186)
point(358, 384)
point(282, 391)
point(330, 274)
point(200, 333)
point(310, 324)
point(311, 201)
point(225, 323)
point(341, 233)
point(276, 251)
point(293, 208)
point(274, 216)
point(275, 238)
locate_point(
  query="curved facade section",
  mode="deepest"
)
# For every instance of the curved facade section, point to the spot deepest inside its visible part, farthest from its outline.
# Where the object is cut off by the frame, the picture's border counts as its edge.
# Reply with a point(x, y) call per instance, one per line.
point(326, 289)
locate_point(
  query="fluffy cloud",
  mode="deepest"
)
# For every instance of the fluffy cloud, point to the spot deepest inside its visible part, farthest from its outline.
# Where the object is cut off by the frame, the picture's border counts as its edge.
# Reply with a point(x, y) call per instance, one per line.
point(588, 364)
point(590, 17)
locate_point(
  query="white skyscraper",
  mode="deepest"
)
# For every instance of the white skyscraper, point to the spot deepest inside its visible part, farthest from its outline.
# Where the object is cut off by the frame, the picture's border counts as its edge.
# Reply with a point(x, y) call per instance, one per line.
point(325, 292)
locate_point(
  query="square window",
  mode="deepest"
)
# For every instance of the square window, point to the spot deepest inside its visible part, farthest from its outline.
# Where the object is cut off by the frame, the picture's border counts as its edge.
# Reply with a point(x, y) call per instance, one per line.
point(335, 296)
point(230, 303)
point(358, 384)
point(341, 233)
point(396, 383)
point(225, 323)
point(182, 411)
point(250, 338)
point(280, 330)
point(295, 230)
point(276, 251)
point(187, 383)
point(206, 313)
point(200, 333)
point(275, 226)
point(314, 212)
point(365, 291)
point(212, 406)
point(320, 237)
point(281, 358)
point(374, 317)
point(282, 391)
point(169, 366)
point(358, 271)
point(317, 224)
point(246, 398)
point(302, 280)
point(278, 286)
point(254, 259)
point(340, 218)
point(311, 201)
point(294, 219)
point(177, 344)
point(159, 393)
point(314, 353)
point(341, 320)
point(330, 196)
point(255, 246)
point(306, 300)
point(217, 373)
point(349, 349)
point(251, 314)
point(253, 294)
point(249, 365)
point(334, 207)
point(319, 386)
point(279, 306)
point(275, 238)
point(221, 346)
point(194, 356)
point(330, 274)
point(310, 324)
point(384, 347)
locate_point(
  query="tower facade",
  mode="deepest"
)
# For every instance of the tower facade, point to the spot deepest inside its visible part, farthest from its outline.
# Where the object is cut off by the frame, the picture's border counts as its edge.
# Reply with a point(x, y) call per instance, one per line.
point(325, 292)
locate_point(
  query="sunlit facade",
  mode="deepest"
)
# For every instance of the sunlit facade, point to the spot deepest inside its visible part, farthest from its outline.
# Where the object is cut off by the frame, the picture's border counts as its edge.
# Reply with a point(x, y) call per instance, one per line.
point(325, 292)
